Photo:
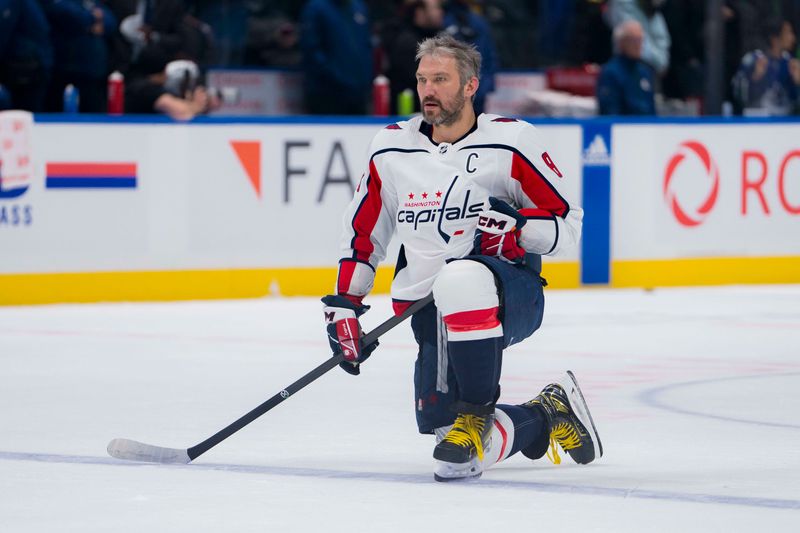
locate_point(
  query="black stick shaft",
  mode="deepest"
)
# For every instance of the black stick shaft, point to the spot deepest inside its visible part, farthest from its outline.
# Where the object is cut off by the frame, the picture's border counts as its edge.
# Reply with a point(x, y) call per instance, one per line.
point(369, 338)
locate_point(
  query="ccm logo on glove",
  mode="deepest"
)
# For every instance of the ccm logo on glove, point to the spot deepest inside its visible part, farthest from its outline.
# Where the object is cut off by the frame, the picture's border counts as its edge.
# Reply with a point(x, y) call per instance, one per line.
point(496, 223)
point(498, 232)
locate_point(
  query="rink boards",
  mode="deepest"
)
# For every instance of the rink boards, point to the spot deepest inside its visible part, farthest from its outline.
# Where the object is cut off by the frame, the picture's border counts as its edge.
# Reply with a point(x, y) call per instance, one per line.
point(123, 209)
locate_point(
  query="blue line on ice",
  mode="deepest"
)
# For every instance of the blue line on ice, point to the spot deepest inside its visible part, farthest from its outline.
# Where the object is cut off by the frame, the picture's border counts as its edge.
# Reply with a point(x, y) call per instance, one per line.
point(584, 490)
point(651, 397)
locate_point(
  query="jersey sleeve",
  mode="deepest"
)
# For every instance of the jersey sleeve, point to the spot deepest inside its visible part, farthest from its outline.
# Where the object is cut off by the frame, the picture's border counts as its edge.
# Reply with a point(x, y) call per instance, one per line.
point(539, 189)
point(368, 227)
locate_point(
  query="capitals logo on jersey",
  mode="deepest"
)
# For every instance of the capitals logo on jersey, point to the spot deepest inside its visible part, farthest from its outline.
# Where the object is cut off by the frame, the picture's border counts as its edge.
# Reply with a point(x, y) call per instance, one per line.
point(438, 211)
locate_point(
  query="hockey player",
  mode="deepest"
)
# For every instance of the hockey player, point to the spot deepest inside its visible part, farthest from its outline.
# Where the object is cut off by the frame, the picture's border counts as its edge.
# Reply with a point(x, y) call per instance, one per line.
point(475, 201)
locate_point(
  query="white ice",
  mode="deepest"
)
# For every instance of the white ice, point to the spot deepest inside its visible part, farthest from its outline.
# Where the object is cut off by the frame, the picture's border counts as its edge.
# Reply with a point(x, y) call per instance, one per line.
point(695, 392)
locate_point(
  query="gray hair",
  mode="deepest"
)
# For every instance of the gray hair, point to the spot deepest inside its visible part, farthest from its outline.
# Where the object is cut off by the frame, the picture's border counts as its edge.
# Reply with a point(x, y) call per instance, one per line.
point(623, 30)
point(468, 59)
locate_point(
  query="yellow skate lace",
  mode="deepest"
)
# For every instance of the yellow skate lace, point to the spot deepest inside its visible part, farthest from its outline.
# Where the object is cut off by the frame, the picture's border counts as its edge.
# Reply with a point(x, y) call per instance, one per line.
point(564, 435)
point(467, 431)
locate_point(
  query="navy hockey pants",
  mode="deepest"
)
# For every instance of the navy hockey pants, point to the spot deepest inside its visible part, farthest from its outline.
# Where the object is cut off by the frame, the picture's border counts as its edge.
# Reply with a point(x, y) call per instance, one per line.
point(521, 311)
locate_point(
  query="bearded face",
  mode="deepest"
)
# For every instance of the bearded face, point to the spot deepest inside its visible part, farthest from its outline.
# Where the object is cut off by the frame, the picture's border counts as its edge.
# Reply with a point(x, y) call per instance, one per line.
point(438, 112)
point(441, 92)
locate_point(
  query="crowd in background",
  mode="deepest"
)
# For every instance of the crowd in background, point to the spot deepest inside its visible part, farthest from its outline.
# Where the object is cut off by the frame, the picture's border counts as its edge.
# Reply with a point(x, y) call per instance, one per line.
point(645, 47)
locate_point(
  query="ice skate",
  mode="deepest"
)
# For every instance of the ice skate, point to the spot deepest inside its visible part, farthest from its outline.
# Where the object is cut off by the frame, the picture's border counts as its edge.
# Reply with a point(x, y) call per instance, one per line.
point(571, 424)
point(460, 453)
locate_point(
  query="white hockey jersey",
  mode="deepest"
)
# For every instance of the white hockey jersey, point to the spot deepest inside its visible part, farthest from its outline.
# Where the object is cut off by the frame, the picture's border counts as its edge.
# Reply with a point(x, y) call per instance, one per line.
point(431, 195)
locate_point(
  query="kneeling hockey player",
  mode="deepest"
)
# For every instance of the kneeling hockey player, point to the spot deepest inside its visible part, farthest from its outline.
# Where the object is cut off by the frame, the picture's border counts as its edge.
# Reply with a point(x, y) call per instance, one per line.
point(475, 202)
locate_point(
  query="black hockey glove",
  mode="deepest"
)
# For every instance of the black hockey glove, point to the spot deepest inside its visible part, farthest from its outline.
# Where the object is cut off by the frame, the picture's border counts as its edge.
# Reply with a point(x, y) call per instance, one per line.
point(344, 332)
point(498, 232)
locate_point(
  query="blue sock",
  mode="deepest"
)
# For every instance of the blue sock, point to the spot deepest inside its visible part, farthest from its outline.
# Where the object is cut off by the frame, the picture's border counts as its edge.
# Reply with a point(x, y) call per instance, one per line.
point(530, 430)
point(476, 365)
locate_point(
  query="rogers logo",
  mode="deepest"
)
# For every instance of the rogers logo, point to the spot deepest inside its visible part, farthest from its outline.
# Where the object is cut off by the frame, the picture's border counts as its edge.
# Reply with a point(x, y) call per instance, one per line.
point(696, 216)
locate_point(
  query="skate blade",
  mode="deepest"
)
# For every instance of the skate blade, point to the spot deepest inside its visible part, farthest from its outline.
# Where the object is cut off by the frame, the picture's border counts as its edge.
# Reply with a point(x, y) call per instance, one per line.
point(441, 479)
point(446, 472)
point(582, 411)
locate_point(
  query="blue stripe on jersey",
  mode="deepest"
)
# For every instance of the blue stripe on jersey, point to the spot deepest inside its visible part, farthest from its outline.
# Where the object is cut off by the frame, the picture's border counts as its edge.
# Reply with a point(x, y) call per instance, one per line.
point(402, 150)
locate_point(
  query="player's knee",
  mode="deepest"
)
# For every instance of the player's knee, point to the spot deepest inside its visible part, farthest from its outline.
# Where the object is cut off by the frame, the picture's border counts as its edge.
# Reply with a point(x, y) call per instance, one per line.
point(464, 286)
point(466, 294)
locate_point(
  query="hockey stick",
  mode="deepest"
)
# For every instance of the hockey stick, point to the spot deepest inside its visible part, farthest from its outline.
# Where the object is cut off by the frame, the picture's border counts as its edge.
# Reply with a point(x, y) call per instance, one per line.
point(132, 450)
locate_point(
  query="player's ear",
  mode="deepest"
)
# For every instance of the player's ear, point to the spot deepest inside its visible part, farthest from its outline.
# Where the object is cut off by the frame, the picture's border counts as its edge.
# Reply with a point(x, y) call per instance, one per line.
point(471, 87)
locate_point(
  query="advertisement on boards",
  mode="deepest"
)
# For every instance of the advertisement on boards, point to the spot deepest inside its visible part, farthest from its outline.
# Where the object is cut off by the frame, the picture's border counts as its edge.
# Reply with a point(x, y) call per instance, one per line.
point(82, 207)
point(271, 195)
point(715, 190)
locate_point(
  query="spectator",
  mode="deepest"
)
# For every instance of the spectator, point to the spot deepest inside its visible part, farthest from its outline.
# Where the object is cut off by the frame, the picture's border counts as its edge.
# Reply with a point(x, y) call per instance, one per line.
point(172, 89)
point(162, 28)
point(420, 19)
point(465, 25)
point(337, 56)
point(228, 22)
point(625, 85)
point(770, 80)
point(26, 55)
point(81, 33)
point(119, 48)
point(743, 22)
point(273, 41)
point(684, 76)
point(790, 10)
point(655, 48)
point(741, 35)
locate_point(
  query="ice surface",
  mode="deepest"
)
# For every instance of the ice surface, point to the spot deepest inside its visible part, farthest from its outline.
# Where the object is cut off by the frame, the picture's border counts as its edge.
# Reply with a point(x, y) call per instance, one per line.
point(695, 392)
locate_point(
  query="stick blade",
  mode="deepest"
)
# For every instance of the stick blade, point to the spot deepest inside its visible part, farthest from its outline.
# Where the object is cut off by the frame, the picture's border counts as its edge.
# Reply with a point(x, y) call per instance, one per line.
point(131, 450)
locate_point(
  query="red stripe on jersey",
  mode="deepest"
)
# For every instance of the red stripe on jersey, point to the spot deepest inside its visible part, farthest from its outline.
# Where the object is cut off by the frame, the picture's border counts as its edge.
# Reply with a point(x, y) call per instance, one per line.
point(503, 434)
point(367, 216)
point(536, 187)
point(345, 277)
point(536, 213)
point(399, 307)
point(472, 320)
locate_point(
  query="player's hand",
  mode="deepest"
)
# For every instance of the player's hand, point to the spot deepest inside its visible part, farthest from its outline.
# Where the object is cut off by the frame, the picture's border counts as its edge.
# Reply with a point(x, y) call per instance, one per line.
point(498, 232)
point(344, 332)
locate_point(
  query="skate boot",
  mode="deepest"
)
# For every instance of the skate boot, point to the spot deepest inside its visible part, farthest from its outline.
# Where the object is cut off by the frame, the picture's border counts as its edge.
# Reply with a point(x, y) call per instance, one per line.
point(459, 454)
point(571, 424)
